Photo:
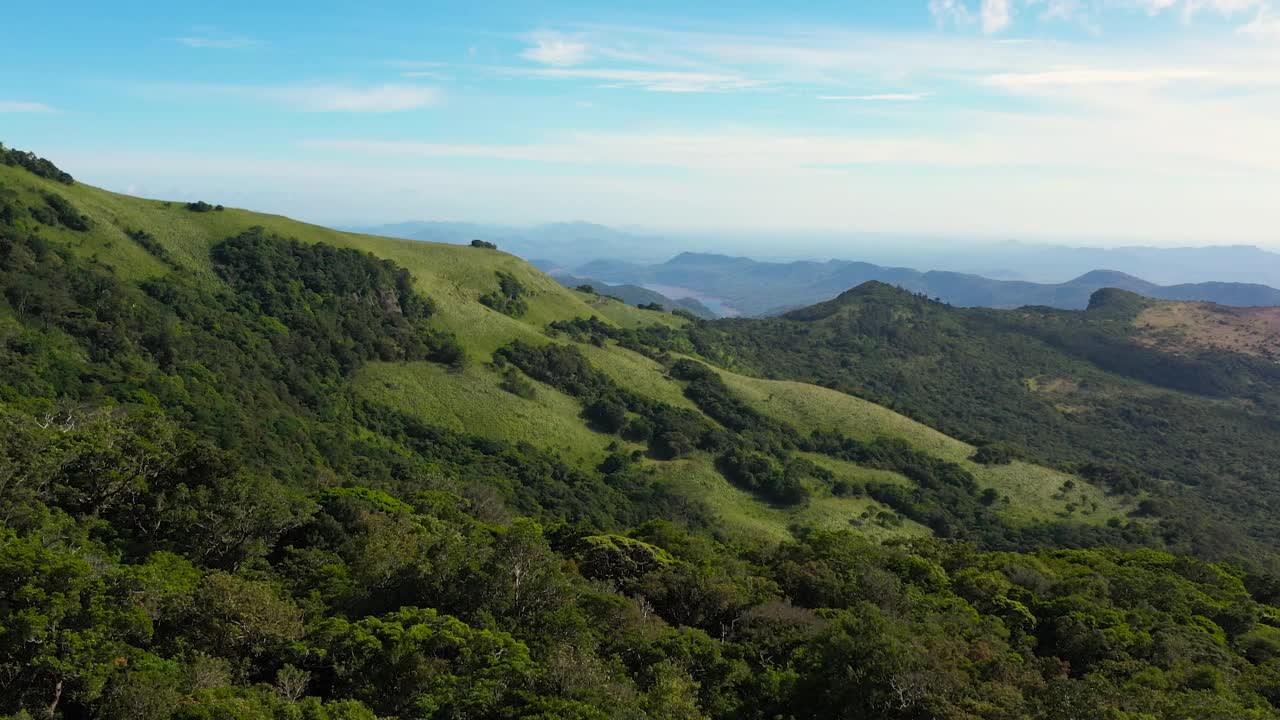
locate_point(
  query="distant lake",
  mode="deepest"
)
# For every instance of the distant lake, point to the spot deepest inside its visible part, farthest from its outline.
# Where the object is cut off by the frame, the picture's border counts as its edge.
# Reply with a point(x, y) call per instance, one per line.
point(719, 306)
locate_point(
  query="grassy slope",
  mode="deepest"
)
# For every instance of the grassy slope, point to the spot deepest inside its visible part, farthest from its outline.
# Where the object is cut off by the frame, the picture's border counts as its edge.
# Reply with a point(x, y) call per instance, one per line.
point(455, 276)
point(1034, 492)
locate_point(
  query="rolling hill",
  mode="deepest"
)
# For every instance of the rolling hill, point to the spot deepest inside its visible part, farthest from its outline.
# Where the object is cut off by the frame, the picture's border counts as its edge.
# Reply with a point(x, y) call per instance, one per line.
point(456, 278)
point(254, 468)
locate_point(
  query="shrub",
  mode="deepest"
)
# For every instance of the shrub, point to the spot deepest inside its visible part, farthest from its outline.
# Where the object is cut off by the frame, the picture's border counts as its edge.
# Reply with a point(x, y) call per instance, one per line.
point(514, 383)
point(994, 454)
point(509, 298)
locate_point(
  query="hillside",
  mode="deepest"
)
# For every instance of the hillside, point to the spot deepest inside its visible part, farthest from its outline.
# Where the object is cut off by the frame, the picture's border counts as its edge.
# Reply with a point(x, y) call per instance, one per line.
point(759, 288)
point(1185, 395)
point(255, 468)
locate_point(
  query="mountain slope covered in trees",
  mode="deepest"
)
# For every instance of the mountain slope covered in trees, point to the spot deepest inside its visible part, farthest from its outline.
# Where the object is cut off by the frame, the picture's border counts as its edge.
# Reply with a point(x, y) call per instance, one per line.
point(251, 468)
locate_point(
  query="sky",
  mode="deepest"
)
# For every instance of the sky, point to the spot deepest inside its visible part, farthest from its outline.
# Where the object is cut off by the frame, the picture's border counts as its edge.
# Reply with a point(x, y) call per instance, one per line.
point(1096, 121)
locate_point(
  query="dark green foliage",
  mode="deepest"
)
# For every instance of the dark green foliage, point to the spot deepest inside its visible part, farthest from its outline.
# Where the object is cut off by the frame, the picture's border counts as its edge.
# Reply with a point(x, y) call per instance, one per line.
point(1116, 479)
point(342, 304)
point(509, 298)
point(652, 306)
point(586, 289)
point(199, 521)
point(672, 432)
point(150, 244)
point(201, 206)
point(607, 414)
point(994, 454)
point(650, 340)
point(712, 396)
point(513, 382)
point(58, 212)
point(761, 474)
point(33, 164)
point(483, 245)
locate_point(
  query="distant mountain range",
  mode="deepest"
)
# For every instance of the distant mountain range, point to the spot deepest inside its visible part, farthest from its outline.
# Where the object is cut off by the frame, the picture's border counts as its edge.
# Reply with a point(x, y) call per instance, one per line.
point(571, 244)
point(760, 288)
point(1056, 263)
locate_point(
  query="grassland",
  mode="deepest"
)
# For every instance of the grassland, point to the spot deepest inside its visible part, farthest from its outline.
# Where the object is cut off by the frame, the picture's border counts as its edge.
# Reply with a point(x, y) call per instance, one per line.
point(1034, 492)
point(1180, 327)
point(470, 399)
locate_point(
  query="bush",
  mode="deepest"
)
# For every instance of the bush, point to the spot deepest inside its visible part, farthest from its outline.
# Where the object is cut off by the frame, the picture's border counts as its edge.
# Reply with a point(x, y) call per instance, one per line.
point(994, 454)
point(514, 383)
point(760, 474)
point(509, 298)
point(58, 211)
point(149, 243)
point(607, 414)
point(483, 245)
point(201, 206)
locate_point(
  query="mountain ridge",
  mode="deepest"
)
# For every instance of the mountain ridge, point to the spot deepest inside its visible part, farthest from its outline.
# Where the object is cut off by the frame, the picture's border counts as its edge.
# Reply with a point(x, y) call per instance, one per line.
point(759, 288)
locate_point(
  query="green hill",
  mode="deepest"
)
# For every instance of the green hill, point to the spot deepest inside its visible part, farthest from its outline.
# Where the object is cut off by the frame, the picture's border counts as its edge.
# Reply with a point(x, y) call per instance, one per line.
point(469, 400)
point(254, 468)
point(1178, 399)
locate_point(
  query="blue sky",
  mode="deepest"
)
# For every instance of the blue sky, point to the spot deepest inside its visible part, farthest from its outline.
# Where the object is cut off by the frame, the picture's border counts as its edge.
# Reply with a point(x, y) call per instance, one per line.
point(1091, 120)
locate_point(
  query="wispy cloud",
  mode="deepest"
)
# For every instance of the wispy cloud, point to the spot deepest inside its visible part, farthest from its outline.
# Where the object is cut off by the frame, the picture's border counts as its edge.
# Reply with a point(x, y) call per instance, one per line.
point(995, 16)
point(667, 81)
point(18, 106)
point(557, 50)
point(319, 97)
point(882, 97)
point(1079, 76)
point(1265, 26)
point(342, 98)
point(218, 41)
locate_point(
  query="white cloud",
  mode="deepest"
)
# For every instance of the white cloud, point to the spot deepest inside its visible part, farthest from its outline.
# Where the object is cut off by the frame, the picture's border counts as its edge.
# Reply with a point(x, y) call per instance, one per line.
point(882, 97)
point(1080, 76)
point(949, 11)
point(557, 50)
point(18, 106)
point(321, 97)
point(338, 98)
point(1265, 26)
point(1225, 8)
point(996, 15)
point(220, 42)
point(668, 81)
